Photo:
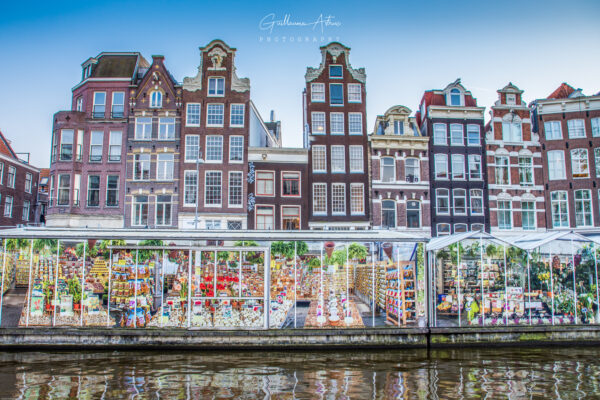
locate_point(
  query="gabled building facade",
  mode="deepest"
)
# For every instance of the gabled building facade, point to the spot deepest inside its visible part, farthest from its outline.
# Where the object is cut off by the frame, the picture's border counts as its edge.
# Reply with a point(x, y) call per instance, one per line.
point(334, 101)
point(568, 124)
point(455, 127)
point(514, 162)
point(399, 157)
point(153, 149)
point(87, 167)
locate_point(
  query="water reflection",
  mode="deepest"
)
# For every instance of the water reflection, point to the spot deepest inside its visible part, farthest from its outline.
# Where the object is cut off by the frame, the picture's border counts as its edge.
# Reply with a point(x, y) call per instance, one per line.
point(566, 373)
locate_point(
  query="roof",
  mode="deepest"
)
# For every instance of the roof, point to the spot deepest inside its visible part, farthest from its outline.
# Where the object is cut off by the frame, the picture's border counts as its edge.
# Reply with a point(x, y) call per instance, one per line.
point(229, 235)
point(562, 92)
point(441, 242)
point(115, 65)
point(5, 147)
point(44, 172)
point(535, 240)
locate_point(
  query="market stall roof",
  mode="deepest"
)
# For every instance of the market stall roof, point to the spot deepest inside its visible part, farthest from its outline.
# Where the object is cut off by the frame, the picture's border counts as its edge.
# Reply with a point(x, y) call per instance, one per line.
point(225, 235)
point(534, 240)
point(445, 241)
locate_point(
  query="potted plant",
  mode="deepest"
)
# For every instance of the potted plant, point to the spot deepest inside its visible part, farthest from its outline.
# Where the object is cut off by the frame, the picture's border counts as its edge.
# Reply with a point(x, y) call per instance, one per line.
point(183, 293)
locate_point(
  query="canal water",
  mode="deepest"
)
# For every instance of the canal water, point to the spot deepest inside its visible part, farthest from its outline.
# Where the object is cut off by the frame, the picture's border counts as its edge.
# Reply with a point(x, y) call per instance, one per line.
point(492, 373)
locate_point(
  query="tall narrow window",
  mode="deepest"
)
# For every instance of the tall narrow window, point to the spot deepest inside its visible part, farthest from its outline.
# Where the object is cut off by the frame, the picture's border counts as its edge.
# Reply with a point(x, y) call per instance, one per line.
point(166, 128)
point(474, 167)
point(556, 165)
point(190, 188)
point(96, 144)
point(237, 115)
point(319, 195)
point(388, 214)
point(458, 166)
point(112, 190)
point(576, 128)
point(212, 189)
point(26, 210)
point(99, 107)
point(398, 127)
point(317, 92)
point(579, 163)
point(455, 97)
point(79, 147)
point(143, 128)
point(318, 123)
point(596, 162)
point(66, 144)
point(235, 189)
point(290, 183)
point(476, 201)
point(504, 214)
point(164, 166)
point(319, 159)
point(595, 122)
point(413, 214)
point(265, 183)
point(553, 130)
point(214, 148)
point(118, 105)
point(456, 135)
point(526, 171)
point(139, 215)
point(76, 189)
point(356, 159)
point(528, 215)
point(156, 99)
point(441, 166)
point(412, 169)
point(336, 121)
point(440, 136)
point(336, 94)
point(460, 201)
point(357, 199)
point(79, 104)
point(338, 159)
point(52, 191)
point(290, 218)
point(192, 114)
point(28, 182)
point(354, 93)
point(442, 198)
point(114, 147)
point(141, 167)
point(388, 169)
point(265, 217)
point(338, 198)
point(355, 124)
point(163, 210)
point(583, 208)
point(214, 115)
point(236, 148)
point(473, 138)
point(216, 86)
point(93, 192)
point(192, 148)
point(502, 170)
point(10, 178)
point(8, 206)
point(560, 211)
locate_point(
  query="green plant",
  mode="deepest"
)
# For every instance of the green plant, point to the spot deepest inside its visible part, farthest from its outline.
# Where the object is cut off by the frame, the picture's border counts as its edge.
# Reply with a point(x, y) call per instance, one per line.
point(103, 246)
point(45, 246)
point(74, 289)
point(91, 252)
point(17, 244)
point(357, 251)
point(146, 254)
point(222, 256)
point(183, 292)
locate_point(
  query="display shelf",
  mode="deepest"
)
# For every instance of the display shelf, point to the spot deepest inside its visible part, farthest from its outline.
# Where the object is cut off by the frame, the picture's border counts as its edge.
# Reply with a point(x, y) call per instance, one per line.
point(400, 293)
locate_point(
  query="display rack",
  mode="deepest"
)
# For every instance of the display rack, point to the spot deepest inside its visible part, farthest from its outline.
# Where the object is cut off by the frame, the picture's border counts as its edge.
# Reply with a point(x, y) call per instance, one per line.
point(400, 293)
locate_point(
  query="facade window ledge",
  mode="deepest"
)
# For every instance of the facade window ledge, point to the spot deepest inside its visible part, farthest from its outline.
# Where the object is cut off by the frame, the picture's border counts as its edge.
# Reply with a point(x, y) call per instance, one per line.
point(212, 205)
point(214, 126)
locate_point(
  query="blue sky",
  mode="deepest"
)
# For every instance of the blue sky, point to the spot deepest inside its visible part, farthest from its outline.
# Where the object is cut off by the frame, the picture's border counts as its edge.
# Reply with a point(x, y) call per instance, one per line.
point(407, 47)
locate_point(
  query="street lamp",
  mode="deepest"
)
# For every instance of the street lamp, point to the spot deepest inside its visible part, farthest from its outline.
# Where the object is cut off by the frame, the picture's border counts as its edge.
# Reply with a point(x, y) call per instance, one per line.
point(199, 161)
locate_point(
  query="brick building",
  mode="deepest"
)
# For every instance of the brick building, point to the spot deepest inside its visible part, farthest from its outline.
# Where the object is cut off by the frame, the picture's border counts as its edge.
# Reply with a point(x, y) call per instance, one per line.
point(18, 187)
point(87, 169)
point(454, 124)
point(568, 124)
point(220, 123)
point(153, 143)
point(334, 102)
point(399, 173)
point(278, 188)
point(514, 163)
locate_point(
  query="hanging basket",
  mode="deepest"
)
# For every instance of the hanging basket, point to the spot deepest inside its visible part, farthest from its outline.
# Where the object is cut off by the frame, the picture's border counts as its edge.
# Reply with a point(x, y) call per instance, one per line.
point(329, 246)
point(388, 249)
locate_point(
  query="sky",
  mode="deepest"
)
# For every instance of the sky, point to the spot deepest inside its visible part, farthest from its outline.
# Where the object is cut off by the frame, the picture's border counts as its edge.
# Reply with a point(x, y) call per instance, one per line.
point(407, 47)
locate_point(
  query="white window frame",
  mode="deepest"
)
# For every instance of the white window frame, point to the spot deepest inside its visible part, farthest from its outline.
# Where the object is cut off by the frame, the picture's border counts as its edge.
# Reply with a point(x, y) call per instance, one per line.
point(439, 194)
point(383, 167)
point(141, 128)
point(512, 132)
point(338, 193)
point(189, 148)
point(8, 206)
point(440, 158)
point(112, 189)
point(166, 128)
point(457, 140)
point(283, 215)
point(239, 147)
point(556, 171)
point(210, 113)
point(11, 177)
point(231, 189)
point(187, 176)
point(354, 95)
point(580, 163)
point(355, 120)
point(332, 85)
point(458, 159)
point(563, 208)
point(113, 103)
point(156, 99)
point(317, 96)
point(142, 163)
point(98, 104)
point(527, 210)
point(163, 204)
point(475, 194)
point(28, 182)
point(138, 212)
point(576, 126)
point(319, 158)
point(553, 130)
point(526, 166)
point(26, 210)
point(317, 188)
point(500, 167)
point(455, 197)
point(214, 152)
point(232, 114)
point(163, 162)
point(356, 159)
point(264, 226)
point(115, 146)
point(94, 145)
point(583, 202)
point(595, 122)
point(354, 201)
point(474, 160)
point(336, 65)
point(317, 120)
point(506, 212)
point(336, 120)
point(438, 229)
point(207, 186)
point(338, 159)
point(472, 128)
point(216, 80)
point(299, 175)
point(438, 130)
point(188, 113)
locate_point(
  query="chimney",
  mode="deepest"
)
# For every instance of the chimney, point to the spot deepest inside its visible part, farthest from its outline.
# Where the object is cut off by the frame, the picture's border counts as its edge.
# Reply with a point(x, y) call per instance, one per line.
point(272, 115)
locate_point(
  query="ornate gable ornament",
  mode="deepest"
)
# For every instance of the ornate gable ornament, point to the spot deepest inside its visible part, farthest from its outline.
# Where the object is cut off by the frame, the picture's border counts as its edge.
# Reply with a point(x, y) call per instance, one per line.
point(217, 55)
point(335, 49)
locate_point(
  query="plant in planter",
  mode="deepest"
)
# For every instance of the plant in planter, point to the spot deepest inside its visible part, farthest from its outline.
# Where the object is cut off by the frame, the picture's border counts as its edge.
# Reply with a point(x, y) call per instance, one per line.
point(314, 263)
point(357, 252)
point(103, 246)
point(183, 293)
point(91, 252)
point(147, 254)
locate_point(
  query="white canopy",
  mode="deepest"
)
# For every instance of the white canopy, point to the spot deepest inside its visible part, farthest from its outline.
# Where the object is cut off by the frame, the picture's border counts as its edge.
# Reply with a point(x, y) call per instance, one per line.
point(445, 241)
point(535, 240)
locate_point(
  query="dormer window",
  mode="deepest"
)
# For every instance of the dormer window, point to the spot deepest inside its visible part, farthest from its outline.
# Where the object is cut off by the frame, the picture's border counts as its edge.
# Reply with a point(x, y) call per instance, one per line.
point(455, 97)
point(398, 127)
point(511, 98)
point(87, 71)
point(335, 71)
point(216, 86)
point(156, 99)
